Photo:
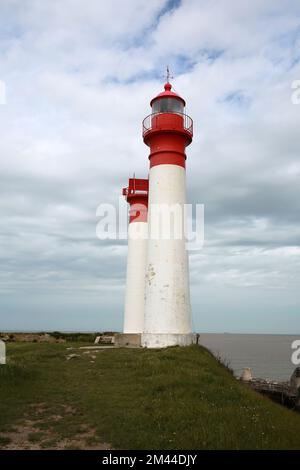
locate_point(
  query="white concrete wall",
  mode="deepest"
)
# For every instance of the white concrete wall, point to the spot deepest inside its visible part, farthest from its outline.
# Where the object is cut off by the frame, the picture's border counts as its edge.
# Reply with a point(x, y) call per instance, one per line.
point(2, 352)
point(167, 306)
point(135, 278)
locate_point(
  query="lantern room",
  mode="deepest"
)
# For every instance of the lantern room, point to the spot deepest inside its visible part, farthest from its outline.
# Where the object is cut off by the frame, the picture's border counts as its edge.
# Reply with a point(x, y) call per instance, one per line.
point(167, 102)
point(167, 116)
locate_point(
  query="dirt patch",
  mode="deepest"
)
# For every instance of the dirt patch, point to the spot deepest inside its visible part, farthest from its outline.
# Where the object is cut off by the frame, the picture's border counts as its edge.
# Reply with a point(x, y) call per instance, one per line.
point(38, 430)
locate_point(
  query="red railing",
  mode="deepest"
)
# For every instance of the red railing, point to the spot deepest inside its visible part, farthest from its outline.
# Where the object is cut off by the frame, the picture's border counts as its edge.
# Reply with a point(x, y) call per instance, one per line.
point(150, 122)
point(136, 186)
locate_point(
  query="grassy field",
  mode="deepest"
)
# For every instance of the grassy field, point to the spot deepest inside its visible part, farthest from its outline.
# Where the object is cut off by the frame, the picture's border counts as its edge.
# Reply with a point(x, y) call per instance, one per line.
point(176, 398)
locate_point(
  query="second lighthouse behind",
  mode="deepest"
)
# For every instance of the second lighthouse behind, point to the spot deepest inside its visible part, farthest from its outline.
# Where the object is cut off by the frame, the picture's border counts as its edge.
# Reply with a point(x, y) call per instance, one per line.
point(167, 131)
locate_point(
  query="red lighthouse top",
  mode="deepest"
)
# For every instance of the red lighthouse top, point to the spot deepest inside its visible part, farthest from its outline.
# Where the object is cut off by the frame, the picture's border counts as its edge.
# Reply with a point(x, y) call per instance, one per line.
point(167, 130)
point(167, 94)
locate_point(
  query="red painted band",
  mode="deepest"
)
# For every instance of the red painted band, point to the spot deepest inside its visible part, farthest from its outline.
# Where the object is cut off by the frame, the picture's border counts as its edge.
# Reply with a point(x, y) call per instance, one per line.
point(167, 146)
point(167, 158)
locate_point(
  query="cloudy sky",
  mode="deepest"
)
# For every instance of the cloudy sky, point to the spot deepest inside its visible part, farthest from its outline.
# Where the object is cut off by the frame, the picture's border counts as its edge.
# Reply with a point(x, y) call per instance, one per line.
point(79, 77)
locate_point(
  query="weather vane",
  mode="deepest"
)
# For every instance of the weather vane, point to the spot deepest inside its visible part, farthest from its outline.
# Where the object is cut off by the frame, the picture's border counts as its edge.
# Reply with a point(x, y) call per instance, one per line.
point(168, 75)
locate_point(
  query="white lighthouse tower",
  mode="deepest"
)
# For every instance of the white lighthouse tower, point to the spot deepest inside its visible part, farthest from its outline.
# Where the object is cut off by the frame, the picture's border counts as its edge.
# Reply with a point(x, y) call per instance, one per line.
point(136, 194)
point(167, 131)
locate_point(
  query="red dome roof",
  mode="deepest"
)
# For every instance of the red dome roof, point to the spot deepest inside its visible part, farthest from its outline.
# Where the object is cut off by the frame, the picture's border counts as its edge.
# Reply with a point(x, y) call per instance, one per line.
point(167, 94)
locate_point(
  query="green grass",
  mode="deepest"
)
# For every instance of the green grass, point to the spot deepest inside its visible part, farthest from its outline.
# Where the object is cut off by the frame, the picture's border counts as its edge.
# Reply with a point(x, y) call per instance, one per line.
point(35, 436)
point(4, 440)
point(176, 398)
